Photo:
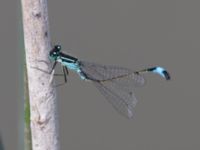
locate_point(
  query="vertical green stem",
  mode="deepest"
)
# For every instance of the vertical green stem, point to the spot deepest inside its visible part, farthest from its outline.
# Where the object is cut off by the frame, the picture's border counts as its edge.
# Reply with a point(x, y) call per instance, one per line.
point(27, 129)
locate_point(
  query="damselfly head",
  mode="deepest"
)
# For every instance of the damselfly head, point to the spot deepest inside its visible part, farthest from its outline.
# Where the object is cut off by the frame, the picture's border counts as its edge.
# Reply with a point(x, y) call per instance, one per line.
point(55, 52)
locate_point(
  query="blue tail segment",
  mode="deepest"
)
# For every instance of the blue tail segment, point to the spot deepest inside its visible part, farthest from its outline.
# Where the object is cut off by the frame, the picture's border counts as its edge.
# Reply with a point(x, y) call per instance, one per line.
point(161, 71)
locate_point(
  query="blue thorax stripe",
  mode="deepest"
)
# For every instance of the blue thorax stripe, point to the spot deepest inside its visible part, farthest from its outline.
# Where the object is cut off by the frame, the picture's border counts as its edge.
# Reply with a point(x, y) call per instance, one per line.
point(67, 58)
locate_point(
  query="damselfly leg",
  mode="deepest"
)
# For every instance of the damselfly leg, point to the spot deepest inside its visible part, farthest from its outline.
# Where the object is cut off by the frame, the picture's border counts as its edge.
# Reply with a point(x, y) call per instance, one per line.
point(64, 74)
point(54, 65)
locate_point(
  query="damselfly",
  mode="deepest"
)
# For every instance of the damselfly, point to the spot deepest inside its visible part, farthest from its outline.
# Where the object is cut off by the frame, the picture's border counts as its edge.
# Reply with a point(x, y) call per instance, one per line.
point(115, 83)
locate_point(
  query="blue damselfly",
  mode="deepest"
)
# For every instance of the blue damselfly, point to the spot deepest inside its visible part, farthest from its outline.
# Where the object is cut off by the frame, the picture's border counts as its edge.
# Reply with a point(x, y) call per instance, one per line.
point(115, 83)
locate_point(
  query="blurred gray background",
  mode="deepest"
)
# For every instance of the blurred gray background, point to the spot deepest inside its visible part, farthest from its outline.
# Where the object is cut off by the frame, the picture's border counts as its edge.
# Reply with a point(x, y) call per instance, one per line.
point(134, 34)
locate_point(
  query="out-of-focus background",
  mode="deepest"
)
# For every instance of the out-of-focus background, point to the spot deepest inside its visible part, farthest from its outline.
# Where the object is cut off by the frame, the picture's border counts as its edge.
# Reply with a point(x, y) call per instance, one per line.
point(11, 76)
point(134, 34)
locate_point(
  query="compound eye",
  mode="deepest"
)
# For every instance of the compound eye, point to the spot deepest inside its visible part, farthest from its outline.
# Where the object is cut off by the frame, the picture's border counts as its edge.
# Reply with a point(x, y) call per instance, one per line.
point(58, 47)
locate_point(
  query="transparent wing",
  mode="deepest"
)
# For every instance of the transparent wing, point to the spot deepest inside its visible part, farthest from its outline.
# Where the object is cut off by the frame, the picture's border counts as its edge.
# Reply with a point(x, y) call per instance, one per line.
point(123, 101)
point(97, 72)
point(116, 84)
